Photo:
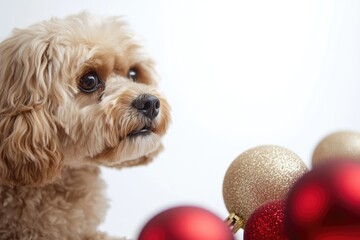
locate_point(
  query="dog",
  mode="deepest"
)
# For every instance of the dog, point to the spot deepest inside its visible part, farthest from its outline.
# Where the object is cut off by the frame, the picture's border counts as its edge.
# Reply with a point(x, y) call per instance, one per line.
point(75, 94)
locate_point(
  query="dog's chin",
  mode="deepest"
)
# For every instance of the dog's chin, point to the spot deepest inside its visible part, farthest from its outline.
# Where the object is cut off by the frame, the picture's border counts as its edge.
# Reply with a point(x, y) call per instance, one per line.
point(133, 149)
point(141, 160)
point(137, 144)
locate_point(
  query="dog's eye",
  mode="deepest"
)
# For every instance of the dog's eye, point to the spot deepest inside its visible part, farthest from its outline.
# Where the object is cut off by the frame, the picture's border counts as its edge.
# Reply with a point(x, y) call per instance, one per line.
point(89, 82)
point(132, 74)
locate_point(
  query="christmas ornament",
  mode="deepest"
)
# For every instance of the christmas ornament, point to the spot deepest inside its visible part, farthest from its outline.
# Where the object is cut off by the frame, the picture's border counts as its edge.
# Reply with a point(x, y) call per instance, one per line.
point(257, 176)
point(337, 146)
point(267, 222)
point(325, 203)
point(186, 223)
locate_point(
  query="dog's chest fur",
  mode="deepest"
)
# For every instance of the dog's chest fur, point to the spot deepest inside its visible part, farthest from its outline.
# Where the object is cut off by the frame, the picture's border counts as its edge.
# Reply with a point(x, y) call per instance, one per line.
point(72, 204)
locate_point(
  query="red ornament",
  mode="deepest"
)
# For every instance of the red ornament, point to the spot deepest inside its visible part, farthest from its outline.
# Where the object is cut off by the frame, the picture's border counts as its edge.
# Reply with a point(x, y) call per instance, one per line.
point(186, 223)
point(267, 222)
point(324, 204)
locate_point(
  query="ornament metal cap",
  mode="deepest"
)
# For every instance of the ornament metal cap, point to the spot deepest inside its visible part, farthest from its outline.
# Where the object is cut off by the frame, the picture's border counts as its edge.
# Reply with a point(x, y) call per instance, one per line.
point(234, 222)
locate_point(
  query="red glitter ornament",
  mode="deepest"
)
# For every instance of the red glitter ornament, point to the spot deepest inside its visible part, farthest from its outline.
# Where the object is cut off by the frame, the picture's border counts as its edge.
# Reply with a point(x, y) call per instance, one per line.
point(267, 222)
point(324, 204)
point(186, 223)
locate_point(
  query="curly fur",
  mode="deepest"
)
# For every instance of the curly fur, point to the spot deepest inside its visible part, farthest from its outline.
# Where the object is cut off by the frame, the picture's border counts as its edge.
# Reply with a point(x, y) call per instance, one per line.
point(54, 137)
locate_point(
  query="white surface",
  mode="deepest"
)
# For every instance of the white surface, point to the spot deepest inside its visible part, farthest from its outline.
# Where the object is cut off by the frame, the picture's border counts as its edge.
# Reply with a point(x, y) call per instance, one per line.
point(237, 74)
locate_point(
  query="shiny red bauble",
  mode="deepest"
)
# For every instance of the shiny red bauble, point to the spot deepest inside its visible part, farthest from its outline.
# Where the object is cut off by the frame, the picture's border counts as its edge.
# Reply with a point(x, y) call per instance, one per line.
point(324, 204)
point(267, 222)
point(186, 223)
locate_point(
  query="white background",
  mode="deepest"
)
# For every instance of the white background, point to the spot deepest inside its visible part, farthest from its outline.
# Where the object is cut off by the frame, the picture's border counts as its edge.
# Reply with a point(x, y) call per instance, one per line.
point(237, 74)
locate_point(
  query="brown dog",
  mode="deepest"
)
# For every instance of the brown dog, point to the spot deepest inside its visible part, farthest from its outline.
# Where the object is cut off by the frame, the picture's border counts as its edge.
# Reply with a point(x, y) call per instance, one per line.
point(75, 94)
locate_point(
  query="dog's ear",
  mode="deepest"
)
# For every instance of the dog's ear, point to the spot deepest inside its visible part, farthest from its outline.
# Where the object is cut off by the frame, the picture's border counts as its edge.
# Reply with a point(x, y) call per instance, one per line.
point(29, 153)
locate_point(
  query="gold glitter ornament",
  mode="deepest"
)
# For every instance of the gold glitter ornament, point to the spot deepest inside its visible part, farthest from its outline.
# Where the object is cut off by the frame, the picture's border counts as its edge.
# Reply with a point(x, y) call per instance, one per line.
point(257, 176)
point(338, 145)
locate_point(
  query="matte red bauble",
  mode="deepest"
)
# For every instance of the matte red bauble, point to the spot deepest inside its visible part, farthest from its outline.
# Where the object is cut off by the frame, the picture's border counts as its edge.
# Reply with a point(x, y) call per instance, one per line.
point(324, 204)
point(267, 222)
point(186, 223)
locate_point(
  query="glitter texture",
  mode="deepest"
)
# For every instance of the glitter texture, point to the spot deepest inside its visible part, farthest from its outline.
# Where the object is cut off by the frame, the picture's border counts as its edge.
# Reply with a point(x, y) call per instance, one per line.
point(337, 146)
point(267, 222)
point(259, 175)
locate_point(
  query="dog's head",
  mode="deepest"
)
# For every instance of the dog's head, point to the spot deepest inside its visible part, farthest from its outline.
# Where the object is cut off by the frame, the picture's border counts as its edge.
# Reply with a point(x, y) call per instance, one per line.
point(74, 91)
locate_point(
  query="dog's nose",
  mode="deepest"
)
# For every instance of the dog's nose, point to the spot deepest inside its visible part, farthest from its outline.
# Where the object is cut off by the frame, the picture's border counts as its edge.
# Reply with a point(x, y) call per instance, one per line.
point(148, 104)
